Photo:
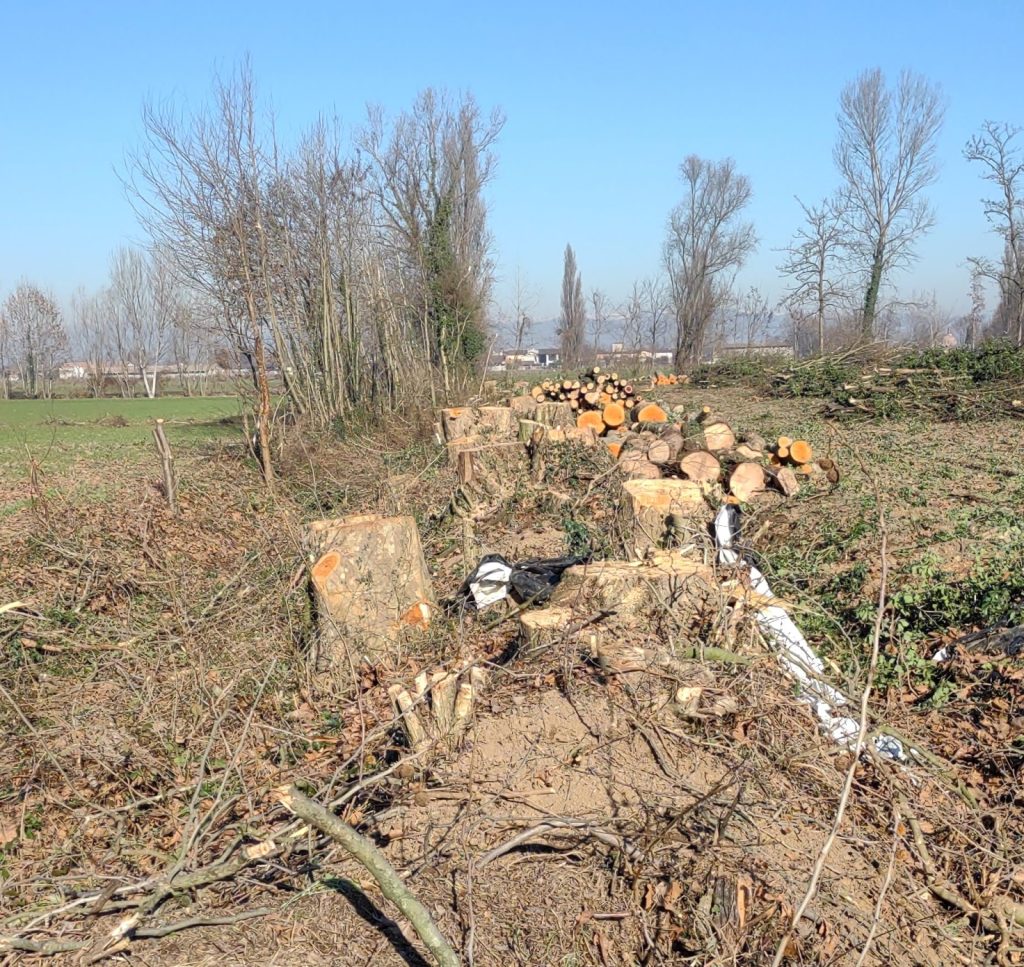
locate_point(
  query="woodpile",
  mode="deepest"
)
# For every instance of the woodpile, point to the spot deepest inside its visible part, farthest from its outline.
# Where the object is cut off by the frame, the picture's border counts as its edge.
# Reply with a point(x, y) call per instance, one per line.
point(699, 447)
point(669, 379)
point(600, 401)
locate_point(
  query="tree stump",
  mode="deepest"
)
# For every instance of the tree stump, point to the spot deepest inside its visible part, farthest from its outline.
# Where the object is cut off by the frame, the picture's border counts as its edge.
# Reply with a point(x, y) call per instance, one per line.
point(371, 584)
point(648, 505)
point(498, 422)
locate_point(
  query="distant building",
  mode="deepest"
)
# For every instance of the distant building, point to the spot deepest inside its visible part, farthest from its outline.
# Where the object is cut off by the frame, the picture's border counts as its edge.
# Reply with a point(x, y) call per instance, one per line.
point(74, 370)
point(620, 357)
point(531, 358)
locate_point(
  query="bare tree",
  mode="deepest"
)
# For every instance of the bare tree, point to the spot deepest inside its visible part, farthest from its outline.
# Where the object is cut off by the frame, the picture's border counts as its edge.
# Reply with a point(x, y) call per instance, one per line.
point(755, 317)
point(886, 154)
point(37, 338)
point(523, 301)
point(975, 318)
point(707, 242)
point(633, 321)
point(144, 301)
point(91, 319)
point(572, 325)
point(813, 265)
point(6, 360)
point(926, 323)
point(429, 173)
point(199, 185)
point(1003, 165)
point(599, 317)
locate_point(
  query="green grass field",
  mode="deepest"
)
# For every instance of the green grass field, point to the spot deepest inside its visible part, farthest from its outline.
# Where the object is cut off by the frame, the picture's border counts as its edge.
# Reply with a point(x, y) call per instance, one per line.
point(60, 431)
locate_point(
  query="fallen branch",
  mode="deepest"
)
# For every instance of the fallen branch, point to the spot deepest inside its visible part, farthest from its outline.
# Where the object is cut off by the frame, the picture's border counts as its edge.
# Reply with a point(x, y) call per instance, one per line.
point(582, 826)
point(375, 862)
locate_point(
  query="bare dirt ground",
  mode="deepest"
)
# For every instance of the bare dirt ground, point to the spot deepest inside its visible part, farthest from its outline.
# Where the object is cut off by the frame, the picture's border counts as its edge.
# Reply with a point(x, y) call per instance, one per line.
point(156, 690)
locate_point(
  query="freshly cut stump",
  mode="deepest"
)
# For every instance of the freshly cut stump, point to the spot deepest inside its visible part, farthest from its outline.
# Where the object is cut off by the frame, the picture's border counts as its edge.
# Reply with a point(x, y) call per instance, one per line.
point(647, 506)
point(499, 422)
point(560, 415)
point(371, 583)
point(594, 601)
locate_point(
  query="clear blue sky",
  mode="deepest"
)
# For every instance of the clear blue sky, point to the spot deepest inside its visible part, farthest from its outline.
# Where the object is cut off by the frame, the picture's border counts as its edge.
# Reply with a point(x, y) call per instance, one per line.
point(603, 102)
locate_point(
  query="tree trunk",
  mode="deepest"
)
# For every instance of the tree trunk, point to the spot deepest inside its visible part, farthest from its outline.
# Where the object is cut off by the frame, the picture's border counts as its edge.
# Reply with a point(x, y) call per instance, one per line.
point(871, 296)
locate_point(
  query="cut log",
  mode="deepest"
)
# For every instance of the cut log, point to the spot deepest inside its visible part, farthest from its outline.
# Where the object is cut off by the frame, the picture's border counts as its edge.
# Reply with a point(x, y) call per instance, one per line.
point(647, 506)
point(700, 466)
point(613, 415)
point(754, 440)
point(674, 440)
point(370, 583)
point(659, 451)
point(826, 463)
point(800, 451)
point(635, 467)
point(748, 452)
point(650, 413)
point(786, 481)
point(718, 436)
point(586, 435)
point(782, 453)
point(592, 419)
point(784, 441)
point(614, 448)
point(746, 480)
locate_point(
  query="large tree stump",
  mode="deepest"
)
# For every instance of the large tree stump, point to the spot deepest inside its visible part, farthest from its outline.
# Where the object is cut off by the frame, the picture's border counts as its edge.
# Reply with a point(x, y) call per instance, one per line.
point(604, 605)
point(497, 422)
point(559, 415)
point(650, 508)
point(371, 584)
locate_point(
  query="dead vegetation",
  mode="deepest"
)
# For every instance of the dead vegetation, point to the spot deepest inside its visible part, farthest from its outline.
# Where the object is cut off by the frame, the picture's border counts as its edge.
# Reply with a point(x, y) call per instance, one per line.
point(637, 782)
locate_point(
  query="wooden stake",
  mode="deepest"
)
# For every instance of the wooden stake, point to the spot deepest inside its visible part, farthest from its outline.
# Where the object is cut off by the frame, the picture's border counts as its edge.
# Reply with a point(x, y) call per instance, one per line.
point(166, 466)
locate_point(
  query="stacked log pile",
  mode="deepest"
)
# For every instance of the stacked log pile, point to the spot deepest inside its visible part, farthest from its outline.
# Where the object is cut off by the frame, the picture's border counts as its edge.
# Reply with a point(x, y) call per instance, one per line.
point(602, 401)
point(669, 379)
point(647, 442)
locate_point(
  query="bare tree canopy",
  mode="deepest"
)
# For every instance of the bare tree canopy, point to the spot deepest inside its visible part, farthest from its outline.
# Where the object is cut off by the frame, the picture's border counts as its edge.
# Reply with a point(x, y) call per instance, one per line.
point(572, 326)
point(885, 153)
point(812, 265)
point(362, 269)
point(33, 339)
point(1002, 164)
point(707, 242)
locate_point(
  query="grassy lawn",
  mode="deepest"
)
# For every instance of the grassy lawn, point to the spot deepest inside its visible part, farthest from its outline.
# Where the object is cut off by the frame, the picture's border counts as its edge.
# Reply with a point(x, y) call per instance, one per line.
point(61, 431)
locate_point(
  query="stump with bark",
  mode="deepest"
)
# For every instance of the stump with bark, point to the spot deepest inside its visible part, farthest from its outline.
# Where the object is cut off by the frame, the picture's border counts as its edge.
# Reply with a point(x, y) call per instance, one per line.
point(371, 585)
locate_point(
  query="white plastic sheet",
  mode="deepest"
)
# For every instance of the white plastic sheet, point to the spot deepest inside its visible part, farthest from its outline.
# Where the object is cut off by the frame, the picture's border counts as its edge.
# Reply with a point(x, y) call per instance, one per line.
point(796, 656)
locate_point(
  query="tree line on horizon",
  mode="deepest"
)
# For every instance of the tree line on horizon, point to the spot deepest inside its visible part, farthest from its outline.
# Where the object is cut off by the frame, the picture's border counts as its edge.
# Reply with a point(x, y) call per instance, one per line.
point(361, 266)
